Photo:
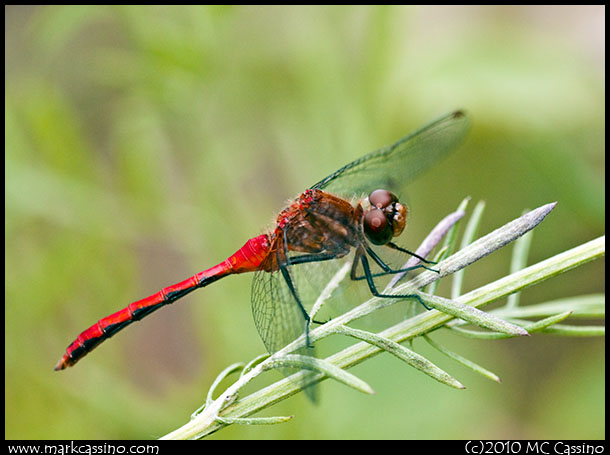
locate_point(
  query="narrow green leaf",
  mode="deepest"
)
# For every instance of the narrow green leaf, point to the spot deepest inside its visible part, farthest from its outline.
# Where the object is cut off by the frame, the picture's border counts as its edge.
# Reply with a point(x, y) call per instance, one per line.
point(332, 284)
point(530, 326)
point(587, 306)
point(546, 322)
point(576, 330)
point(412, 358)
point(255, 361)
point(223, 374)
point(550, 326)
point(322, 366)
point(442, 254)
point(494, 240)
point(253, 420)
point(467, 238)
point(518, 262)
point(472, 314)
point(451, 237)
point(448, 243)
point(464, 361)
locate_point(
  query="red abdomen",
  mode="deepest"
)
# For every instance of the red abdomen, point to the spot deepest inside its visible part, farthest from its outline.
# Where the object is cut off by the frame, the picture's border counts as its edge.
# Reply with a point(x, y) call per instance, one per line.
point(247, 259)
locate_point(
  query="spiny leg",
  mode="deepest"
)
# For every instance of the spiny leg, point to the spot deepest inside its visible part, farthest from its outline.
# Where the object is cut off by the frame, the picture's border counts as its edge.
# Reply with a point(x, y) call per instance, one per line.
point(391, 272)
point(404, 250)
point(387, 270)
point(286, 275)
point(304, 259)
point(369, 279)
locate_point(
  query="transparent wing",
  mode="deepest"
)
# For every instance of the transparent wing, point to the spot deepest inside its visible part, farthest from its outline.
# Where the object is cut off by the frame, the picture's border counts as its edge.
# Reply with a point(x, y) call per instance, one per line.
point(277, 316)
point(395, 166)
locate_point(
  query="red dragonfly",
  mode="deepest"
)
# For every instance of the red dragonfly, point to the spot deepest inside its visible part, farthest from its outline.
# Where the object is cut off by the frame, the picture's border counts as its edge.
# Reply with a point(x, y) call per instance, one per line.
point(320, 225)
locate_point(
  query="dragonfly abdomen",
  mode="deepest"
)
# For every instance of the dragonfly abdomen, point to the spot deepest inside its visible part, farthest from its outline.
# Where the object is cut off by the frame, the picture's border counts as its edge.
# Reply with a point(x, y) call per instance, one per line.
point(247, 259)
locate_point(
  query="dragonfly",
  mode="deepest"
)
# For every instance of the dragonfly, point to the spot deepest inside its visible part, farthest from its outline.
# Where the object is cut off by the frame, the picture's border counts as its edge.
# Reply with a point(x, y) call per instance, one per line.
point(321, 224)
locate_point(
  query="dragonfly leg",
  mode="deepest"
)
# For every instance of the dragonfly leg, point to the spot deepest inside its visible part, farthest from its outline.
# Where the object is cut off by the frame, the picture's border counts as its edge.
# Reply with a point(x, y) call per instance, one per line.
point(389, 270)
point(386, 269)
point(283, 263)
point(369, 279)
point(305, 258)
point(293, 291)
point(404, 250)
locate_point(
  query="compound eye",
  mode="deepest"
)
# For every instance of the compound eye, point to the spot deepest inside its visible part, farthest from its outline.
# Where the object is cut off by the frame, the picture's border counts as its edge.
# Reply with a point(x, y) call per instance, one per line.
point(377, 228)
point(381, 198)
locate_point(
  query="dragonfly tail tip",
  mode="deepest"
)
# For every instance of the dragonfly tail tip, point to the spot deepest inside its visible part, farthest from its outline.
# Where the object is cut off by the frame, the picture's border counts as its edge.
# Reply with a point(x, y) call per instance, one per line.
point(63, 363)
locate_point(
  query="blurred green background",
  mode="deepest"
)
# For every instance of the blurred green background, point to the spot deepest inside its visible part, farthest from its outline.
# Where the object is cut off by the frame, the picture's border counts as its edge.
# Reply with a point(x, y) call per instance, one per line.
point(145, 144)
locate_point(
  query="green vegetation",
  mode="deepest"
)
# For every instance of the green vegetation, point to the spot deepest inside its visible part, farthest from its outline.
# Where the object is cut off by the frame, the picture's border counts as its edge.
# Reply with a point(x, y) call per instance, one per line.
point(145, 144)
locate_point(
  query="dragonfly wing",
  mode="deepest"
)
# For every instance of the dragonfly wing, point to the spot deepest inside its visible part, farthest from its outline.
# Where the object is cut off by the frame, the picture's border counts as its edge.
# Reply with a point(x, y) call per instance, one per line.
point(279, 319)
point(277, 316)
point(395, 166)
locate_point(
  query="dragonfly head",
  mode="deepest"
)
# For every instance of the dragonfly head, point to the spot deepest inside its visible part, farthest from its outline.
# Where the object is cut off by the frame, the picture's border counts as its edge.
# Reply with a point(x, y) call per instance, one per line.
point(385, 218)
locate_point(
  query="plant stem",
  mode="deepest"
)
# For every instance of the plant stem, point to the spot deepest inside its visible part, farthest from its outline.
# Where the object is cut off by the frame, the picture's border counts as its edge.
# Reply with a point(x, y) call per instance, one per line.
point(230, 408)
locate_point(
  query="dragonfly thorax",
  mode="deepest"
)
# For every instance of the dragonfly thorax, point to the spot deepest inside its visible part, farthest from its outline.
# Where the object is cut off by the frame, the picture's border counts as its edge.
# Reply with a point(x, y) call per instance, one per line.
point(385, 218)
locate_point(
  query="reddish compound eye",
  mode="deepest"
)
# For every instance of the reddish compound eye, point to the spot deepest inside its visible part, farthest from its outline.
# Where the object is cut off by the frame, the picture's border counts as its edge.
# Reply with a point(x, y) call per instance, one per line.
point(377, 227)
point(385, 219)
point(381, 198)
